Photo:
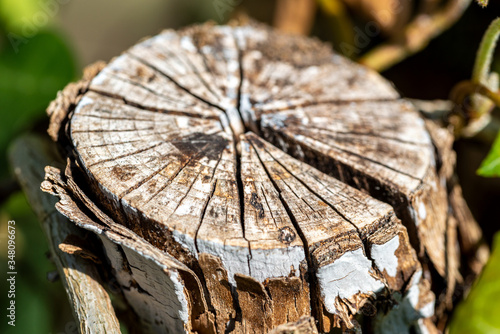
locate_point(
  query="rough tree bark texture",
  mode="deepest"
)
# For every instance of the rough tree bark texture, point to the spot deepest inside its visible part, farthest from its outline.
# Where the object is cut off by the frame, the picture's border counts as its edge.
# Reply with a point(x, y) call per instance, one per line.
point(240, 179)
point(87, 295)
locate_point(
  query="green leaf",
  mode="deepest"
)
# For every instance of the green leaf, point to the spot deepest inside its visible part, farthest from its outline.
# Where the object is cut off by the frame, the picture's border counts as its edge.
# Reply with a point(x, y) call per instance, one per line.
point(490, 167)
point(29, 80)
point(479, 313)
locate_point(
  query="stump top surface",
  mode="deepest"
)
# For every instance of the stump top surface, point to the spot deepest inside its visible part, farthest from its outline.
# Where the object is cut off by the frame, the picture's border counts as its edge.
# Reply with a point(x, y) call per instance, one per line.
point(266, 150)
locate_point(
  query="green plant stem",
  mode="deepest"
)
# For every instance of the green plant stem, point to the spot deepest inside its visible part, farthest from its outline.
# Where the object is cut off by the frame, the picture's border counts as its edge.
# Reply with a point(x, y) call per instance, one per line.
point(480, 73)
point(465, 88)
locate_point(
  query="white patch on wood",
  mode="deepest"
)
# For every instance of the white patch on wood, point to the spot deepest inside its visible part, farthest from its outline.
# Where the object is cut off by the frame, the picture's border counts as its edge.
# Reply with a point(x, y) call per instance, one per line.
point(181, 297)
point(277, 121)
point(185, 241)
point(385, 256)
point(414, 292)
point(261, 264)
point(235, 121)
point(277, 262)
point(241, 34)
point(246, 108)
point(233, 66)
point(422, 213)
point(224, 121)
point(413, 215)
point(346, 277)
point(207, 49)
point(232, 83)
point(187, 44)
point(426, 137)
point(427, 310)
point(234, 259)
point(182, 122)
point(85, 101)
point(159, 281)
point(422, 328)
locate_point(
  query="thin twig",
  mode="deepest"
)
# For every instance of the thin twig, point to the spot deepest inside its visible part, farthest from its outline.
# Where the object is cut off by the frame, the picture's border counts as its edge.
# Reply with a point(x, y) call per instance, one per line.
point(481, 72)
point(295, 16)
point(466, 88)
point(482, 88)
point(469, 121)
point(484, 56)
point(415, 36)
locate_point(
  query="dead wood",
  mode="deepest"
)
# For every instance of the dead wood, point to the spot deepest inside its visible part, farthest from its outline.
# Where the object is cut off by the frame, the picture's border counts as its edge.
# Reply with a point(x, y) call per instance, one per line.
point(87, 293)
point(240, 179)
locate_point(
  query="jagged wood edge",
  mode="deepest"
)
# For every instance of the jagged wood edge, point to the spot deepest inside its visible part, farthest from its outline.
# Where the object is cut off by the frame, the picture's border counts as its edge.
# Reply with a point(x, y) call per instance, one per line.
point(123, 247)
point(87, 294)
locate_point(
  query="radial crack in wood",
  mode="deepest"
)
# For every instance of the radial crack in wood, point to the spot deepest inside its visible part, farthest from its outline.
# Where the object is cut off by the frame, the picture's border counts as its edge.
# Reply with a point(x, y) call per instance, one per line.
point(338, 223)
point(397, 167)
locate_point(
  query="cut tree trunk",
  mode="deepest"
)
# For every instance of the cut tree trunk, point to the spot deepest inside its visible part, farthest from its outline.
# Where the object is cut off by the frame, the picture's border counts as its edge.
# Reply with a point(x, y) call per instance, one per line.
point(240, 179)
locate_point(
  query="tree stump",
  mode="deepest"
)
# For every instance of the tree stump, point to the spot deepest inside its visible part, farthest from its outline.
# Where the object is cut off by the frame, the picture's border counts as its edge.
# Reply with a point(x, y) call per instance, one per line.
point(240, 179)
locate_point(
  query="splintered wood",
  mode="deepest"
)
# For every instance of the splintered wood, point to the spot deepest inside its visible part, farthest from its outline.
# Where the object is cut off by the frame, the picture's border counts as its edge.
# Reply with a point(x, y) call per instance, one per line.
point(240, 179)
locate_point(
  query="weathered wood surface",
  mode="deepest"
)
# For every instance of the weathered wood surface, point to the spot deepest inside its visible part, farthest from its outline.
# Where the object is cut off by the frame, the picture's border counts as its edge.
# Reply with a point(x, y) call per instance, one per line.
point(88, 297)
point(240, 179)
point(304, 325)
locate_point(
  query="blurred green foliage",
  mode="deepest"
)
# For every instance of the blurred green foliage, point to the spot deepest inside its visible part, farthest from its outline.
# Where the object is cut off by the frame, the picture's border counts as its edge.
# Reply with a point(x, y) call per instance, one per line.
point(13, 13)
point(29, 80)
point(490, 167)
point(33, 67)
point(480, 311)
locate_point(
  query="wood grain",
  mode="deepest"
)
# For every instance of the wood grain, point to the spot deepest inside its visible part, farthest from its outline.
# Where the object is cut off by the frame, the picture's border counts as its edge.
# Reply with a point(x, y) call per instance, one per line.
point(242, 178)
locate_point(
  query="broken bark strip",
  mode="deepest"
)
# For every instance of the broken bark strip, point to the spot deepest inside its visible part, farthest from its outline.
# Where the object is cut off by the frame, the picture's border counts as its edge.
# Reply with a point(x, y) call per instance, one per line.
point(92, 309)
point(211, 228)
point(322, 209)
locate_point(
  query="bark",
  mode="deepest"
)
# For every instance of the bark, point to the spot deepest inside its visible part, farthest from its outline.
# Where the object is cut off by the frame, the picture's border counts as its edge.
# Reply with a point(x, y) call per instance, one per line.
point(87, 294)
point(240, 179)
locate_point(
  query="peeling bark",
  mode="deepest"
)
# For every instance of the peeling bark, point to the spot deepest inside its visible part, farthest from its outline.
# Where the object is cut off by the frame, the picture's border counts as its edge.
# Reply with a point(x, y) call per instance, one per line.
point(89, 300)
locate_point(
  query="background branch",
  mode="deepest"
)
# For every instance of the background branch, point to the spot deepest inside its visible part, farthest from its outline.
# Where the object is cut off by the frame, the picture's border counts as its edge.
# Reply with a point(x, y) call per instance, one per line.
point(415, 36)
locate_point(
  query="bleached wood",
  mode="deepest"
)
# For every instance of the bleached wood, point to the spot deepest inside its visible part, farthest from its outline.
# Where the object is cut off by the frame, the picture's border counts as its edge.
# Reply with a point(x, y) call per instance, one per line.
point(240, 178)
